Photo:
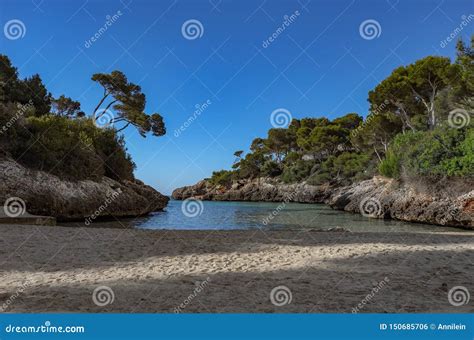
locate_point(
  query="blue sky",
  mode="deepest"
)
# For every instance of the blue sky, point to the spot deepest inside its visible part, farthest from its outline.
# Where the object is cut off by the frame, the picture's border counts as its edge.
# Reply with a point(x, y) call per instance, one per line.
point(320, 65)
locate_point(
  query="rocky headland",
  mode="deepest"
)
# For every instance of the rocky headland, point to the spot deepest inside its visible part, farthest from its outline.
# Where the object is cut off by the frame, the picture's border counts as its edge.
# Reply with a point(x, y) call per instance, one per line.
point(41, 193)
point(446, 203)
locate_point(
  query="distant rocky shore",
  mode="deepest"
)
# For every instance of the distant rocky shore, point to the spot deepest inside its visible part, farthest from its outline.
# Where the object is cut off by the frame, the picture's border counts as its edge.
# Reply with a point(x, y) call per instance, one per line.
point(40, 193)
point(448, 203)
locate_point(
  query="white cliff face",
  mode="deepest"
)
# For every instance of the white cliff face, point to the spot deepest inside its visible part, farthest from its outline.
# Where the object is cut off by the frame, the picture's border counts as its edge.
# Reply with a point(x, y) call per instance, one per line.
point(49, 195)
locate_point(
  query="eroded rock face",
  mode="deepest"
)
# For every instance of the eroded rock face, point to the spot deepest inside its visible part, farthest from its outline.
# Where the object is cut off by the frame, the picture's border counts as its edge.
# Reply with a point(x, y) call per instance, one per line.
point(48, 195)
point(449, 203)
point(258, 190)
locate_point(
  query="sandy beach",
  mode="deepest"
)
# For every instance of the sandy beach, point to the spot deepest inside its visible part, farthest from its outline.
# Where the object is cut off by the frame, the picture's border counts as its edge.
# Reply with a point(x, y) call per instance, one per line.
point(57, 269)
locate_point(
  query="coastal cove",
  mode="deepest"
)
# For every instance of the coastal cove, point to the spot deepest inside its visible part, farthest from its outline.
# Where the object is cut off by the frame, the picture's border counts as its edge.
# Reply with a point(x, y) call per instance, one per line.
point(263, 157)
point(266, 216)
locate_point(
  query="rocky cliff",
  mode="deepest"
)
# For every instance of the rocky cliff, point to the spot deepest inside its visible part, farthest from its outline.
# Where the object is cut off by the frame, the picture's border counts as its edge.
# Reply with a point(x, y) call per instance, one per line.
point(40, 193)
point(449, 203)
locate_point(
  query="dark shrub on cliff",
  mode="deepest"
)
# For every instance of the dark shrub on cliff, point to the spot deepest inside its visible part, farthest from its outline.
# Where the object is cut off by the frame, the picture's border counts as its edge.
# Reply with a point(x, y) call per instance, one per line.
point(222, 177)
point(73, 149)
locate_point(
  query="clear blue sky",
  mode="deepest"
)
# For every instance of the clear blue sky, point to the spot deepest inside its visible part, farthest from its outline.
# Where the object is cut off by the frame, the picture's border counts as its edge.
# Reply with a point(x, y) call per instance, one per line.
point(319, 65)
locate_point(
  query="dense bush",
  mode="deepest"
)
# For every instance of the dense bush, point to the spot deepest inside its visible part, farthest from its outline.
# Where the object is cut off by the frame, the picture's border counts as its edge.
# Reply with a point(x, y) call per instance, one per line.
point(70, 148)
point(222, 177)
point(444, 151)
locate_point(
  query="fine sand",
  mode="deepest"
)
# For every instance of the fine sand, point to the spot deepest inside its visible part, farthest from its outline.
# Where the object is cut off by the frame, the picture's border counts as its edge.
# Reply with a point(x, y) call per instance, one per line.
point(57, 269)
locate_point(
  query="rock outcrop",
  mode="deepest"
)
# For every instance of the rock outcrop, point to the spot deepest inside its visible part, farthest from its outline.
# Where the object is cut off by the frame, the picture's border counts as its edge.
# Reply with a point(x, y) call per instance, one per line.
point(448, 203)
point(257, 190)
point(44, 194)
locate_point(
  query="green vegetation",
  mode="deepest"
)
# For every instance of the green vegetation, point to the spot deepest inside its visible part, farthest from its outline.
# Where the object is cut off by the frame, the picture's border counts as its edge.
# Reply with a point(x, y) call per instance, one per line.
point(55, 135)
point(420, 124)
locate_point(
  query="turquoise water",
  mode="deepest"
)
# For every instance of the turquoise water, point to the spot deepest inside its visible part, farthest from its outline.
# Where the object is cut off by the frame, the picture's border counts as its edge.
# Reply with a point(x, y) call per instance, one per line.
point(254, 215)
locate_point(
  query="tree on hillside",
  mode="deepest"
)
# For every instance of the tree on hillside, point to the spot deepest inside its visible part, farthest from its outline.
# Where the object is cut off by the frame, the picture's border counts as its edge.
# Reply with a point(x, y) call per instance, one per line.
point(463, 83)
point(30, 90)
point(376, 133)
point(128, 104)
point(411, 91)
point(65, 106)
point(278, 144)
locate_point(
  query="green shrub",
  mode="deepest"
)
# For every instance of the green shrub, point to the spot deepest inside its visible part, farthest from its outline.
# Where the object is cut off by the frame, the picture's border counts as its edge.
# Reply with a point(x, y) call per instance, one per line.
point(296, 172)
point(390, 165)
point(74, 149)
point(222, 177)
point(444, 151)
point(271, 169)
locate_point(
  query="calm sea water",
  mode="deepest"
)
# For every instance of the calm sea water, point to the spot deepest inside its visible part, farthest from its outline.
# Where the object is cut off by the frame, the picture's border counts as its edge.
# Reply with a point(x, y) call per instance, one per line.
point(252, 215)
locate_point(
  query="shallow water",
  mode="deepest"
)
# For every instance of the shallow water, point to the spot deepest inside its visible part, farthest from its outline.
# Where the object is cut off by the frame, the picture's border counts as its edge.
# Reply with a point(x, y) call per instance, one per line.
point(210, 215)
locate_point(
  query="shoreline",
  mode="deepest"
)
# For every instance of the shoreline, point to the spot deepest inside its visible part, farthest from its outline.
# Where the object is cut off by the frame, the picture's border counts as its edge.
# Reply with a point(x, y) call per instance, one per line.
point(446, 203)
point(58, 268)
